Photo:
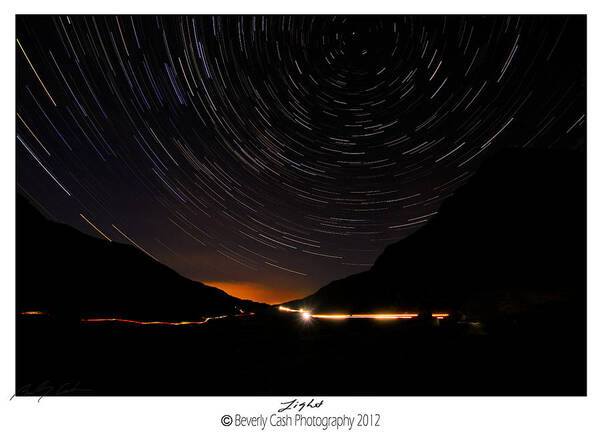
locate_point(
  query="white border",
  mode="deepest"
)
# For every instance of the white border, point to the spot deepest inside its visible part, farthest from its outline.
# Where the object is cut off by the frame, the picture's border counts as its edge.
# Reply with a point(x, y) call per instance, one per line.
point(203, 414)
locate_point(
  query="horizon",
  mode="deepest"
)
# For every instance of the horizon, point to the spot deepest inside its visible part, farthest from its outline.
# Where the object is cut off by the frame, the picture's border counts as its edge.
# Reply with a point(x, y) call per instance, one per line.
point(271, 173)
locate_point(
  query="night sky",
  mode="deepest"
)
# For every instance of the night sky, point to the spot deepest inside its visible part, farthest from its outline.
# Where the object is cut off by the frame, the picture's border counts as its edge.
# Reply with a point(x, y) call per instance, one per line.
point(271, 155)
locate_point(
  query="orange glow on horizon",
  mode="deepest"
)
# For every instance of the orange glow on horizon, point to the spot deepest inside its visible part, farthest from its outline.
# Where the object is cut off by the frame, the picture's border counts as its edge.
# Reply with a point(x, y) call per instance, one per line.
point(32, 313)
point(255, 291)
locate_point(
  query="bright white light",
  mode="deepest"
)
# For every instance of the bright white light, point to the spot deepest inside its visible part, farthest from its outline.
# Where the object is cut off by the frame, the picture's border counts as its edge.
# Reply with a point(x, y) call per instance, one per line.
point(305, 316)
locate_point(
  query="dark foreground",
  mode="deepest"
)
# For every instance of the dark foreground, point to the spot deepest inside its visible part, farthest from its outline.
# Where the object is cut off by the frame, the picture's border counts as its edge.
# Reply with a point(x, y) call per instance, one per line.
point(275, 353)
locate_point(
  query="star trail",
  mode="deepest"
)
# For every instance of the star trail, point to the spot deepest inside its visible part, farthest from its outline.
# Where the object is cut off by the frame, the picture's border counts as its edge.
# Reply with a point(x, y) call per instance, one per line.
point(270, 155)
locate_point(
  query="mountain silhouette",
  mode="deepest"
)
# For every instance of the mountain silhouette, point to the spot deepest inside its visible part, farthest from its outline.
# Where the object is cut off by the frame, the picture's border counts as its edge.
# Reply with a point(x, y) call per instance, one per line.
point(72, 275)
point(511, 241)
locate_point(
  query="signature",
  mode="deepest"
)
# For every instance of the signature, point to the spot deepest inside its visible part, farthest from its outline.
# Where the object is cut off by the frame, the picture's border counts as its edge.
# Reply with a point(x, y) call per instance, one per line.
point(295, 404)
point(47, 389)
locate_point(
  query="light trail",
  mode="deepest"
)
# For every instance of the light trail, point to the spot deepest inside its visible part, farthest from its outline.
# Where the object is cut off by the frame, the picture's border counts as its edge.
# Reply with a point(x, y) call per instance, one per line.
point(35, 72)
point(135, 244)
point(146, 322)
point(95, 227)
point(172, 323)
point(383, 316)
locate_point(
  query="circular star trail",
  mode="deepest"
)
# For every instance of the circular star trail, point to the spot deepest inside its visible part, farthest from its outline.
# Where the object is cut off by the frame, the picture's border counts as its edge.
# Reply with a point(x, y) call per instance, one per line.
point(275, 154)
